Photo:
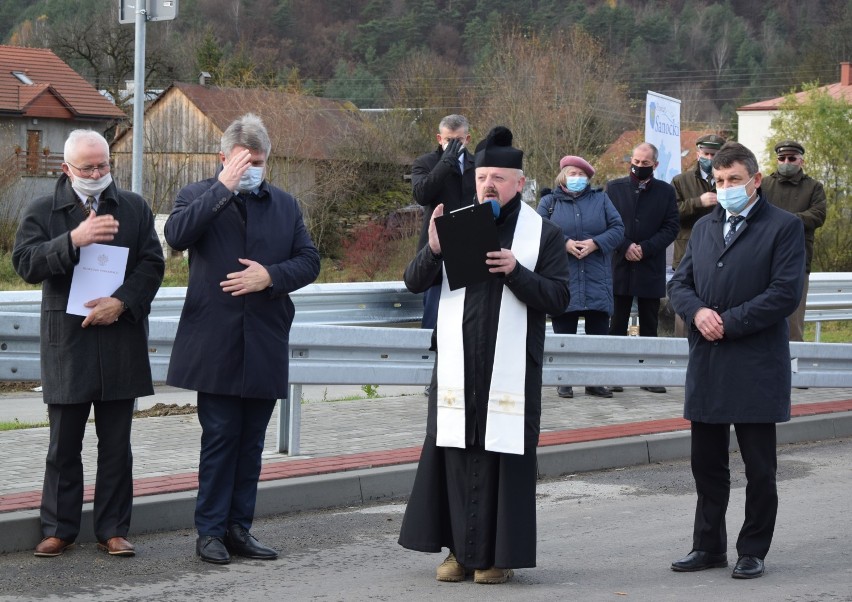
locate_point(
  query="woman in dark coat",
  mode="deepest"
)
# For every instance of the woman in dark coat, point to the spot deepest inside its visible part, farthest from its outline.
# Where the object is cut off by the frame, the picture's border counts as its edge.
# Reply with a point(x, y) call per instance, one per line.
point(592, 229)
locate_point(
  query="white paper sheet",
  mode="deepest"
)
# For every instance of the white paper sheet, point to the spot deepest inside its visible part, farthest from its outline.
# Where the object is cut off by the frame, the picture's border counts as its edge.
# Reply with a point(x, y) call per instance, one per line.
point(98, 274)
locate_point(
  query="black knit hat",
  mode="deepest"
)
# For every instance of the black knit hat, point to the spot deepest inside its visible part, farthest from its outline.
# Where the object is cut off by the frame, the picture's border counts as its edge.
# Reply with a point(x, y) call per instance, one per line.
point(497, 150)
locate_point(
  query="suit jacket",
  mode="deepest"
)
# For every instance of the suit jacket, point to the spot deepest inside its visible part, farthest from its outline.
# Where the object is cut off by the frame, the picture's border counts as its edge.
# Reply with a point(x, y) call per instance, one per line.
point(753, 284)
point(650, 220)
point(229, 345)
point(98, 362)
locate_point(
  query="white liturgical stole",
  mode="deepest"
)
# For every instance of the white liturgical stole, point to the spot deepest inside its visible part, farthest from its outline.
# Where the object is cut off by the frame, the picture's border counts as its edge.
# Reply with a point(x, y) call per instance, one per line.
point(504, 429)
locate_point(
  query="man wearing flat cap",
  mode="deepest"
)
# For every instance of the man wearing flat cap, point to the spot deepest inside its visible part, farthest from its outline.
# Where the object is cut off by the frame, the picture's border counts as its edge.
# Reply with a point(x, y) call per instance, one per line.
point(696, 197)
point(474, 492)
point(792, 190)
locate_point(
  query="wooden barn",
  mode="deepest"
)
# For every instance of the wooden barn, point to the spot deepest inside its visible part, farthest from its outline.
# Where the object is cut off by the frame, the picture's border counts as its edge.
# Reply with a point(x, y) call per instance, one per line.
point(183, 128)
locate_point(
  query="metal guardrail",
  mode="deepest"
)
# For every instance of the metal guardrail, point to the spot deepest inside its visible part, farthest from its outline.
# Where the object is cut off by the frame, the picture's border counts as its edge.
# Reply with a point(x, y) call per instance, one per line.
point(330, 303)
point(321, 354)
point(361, 303)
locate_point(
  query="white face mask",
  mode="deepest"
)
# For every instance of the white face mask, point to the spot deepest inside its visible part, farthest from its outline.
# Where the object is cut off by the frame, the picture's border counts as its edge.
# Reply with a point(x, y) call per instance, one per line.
point(90, 186)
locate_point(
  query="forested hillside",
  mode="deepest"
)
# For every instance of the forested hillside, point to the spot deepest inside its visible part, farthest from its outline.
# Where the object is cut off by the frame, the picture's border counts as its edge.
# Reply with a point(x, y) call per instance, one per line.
point(717, 55)
point(568, 76)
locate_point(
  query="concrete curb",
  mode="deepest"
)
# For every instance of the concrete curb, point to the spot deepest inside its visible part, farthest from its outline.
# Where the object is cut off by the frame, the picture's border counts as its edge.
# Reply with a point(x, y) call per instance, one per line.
point(172, 511)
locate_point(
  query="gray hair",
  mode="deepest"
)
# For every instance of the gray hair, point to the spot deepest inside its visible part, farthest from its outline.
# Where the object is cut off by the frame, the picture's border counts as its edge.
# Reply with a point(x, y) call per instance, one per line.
point(78, 137)
point(734, 152)
point(453, 123)
point(249, 132)
point(652, 147)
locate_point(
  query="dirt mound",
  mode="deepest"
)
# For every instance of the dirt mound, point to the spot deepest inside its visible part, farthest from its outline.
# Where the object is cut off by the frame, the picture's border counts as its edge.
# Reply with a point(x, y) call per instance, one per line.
point(165, 409)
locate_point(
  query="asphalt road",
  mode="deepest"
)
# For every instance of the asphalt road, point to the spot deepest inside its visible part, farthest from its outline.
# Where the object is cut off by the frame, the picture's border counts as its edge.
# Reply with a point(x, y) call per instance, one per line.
point(602, 536)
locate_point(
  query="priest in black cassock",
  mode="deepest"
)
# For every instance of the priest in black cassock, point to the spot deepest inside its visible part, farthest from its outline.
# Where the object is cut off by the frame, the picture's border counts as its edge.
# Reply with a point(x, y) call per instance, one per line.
point(474, 492)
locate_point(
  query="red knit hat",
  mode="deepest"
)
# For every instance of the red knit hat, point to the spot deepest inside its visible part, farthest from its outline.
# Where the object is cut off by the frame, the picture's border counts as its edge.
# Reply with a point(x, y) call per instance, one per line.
point(576, 161)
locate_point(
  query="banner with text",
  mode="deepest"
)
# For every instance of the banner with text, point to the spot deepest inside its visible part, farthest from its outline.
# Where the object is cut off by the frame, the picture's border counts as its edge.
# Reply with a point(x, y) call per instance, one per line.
point(662, 129)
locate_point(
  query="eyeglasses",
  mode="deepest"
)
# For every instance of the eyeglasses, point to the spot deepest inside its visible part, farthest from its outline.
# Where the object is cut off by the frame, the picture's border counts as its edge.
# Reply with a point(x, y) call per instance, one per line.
point(788, 158)
point(90, 170)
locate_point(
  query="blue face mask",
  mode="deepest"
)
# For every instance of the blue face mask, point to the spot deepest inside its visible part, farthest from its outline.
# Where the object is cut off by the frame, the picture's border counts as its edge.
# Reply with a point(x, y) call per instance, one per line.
point(576, 183)
point(251, 179)
point(735, 198)
point(706, 165)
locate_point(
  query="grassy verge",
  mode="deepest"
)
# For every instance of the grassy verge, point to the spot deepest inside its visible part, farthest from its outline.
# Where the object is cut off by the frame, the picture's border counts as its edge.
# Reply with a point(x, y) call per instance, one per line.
point(831, 332)
point(17, 424)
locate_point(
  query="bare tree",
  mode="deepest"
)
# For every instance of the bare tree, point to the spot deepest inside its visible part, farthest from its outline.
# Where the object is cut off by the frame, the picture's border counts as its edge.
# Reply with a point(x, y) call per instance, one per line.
point(559, 94)
point(104, 51)
point(434, 86)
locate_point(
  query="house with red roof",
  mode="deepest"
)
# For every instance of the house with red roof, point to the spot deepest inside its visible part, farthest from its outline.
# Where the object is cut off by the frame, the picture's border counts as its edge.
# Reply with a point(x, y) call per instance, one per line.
point(41, 100)
point(755, 120)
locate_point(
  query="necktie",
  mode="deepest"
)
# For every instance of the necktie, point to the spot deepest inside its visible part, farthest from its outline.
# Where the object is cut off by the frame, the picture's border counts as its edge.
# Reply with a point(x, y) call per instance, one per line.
point(86, 207)
point(734, 220)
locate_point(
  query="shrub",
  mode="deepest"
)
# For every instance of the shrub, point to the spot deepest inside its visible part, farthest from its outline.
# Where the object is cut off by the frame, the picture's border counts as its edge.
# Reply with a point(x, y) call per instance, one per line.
point(368, 249)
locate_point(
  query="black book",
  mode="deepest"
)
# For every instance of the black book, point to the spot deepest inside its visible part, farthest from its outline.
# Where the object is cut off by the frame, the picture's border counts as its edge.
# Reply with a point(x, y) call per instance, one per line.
point(466, 236)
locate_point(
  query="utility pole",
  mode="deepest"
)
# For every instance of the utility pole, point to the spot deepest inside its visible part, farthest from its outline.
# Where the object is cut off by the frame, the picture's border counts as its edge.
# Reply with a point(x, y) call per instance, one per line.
point(139, 12)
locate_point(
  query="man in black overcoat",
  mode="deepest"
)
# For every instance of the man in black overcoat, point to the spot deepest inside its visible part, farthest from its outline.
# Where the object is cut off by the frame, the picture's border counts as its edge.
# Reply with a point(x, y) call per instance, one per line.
point(99, 360)
point(648, 208)
point(442, 177)
point(740, 278)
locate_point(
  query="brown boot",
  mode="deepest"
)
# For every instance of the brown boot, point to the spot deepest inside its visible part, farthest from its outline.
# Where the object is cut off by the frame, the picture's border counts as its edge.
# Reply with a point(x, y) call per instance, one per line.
point(492, 575)
point(450, 570)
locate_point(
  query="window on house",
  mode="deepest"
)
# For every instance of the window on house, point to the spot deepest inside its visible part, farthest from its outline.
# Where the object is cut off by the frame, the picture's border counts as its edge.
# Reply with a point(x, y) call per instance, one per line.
point(22, 77)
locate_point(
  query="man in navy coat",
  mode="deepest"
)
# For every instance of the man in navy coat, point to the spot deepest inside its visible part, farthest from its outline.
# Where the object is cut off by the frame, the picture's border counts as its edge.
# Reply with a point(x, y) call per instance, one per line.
point(740, 278)
point(248, 250)
point(648, 208)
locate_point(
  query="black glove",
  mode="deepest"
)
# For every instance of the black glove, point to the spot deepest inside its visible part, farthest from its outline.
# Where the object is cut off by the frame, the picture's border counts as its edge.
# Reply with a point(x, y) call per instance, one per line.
point(452, 152)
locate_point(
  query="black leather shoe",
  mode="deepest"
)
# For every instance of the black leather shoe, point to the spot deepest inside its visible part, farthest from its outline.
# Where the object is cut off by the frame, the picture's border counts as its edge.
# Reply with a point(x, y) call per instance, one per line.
point(242, 543)
point(212, 549)
point(748, 567)
point(617, 389)
point(598, 391)
point(697, 560)
point(566, 392)
point(654, 389)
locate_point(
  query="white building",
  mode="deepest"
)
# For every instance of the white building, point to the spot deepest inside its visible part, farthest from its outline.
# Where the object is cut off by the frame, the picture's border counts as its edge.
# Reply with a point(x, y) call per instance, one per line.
point(755, 120)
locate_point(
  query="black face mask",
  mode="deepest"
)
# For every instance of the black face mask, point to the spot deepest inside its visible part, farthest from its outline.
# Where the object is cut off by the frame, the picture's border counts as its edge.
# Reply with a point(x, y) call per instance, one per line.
point(642, 173)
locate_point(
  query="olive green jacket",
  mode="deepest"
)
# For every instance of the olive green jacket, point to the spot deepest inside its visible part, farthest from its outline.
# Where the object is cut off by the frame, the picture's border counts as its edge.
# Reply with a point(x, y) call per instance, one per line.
point(802, 196)
point(689, 186)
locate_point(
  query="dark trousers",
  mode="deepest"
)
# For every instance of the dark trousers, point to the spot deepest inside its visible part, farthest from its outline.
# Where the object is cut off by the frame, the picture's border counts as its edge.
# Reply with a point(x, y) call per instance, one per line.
point(649, 312)
point(713, 485)
point(597, 322)
point(62, 494)
point(232, 433)
point(431, 297)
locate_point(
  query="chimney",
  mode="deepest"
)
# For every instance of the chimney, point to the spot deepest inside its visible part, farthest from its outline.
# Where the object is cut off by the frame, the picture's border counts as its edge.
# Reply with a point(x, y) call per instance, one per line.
point(846, 74)
point(204, 77)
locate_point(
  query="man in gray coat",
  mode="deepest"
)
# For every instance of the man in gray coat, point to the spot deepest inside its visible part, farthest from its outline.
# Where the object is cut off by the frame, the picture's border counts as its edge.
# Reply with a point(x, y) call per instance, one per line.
point(740, 278)
point(100, 359)
point(248, 250)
